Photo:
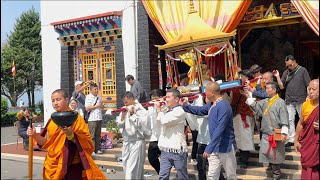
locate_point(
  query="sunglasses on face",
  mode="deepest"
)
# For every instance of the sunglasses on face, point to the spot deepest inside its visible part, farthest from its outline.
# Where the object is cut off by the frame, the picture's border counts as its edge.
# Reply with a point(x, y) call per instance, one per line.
point(289, 65)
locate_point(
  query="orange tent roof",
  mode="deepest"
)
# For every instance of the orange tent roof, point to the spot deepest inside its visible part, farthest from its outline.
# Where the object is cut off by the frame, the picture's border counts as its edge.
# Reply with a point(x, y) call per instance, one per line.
point(196, 33)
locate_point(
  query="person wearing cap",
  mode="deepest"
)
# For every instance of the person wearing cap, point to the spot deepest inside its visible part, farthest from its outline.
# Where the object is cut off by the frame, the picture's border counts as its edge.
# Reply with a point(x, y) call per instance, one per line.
point(78, 95)
point(243, 121)
point(294, 80)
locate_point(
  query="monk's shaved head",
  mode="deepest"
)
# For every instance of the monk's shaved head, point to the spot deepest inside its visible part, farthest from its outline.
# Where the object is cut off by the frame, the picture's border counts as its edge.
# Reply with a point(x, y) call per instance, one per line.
point(316, 81)
point(214, 87)
point(314, 90)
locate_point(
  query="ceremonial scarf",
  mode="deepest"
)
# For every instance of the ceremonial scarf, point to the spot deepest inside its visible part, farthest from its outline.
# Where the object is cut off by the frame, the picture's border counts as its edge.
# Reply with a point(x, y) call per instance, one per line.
point(307, 108)
point(270, 102)
point(309, 140)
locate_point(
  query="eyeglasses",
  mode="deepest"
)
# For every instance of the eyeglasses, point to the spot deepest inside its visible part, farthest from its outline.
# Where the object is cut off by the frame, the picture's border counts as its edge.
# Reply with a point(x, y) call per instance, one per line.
point(289, 65)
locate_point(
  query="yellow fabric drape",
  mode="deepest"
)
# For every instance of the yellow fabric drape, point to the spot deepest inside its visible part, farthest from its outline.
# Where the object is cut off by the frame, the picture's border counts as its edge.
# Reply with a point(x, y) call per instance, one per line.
point(169, 17)
point(309, 10)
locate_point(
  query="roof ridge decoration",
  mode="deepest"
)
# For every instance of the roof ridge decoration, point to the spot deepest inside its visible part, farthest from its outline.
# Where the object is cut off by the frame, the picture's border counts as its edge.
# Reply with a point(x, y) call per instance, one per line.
point(87, 24)
point(99, 28)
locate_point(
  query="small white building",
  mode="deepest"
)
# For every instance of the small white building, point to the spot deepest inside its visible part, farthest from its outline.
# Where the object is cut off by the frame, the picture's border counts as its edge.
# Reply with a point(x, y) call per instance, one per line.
point(83, 40)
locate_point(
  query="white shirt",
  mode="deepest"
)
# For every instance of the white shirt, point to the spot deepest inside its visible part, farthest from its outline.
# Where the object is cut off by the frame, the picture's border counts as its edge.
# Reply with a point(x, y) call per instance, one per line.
point(96, 114)
point(172, 137)
point(155, 124)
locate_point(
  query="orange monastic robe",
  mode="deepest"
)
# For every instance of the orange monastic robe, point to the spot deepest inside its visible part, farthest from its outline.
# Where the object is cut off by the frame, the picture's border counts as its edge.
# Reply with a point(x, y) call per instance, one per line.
point(55, 146)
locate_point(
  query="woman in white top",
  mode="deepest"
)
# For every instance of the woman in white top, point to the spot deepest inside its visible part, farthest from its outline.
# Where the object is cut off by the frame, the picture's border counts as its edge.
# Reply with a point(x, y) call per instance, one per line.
point(73, 104)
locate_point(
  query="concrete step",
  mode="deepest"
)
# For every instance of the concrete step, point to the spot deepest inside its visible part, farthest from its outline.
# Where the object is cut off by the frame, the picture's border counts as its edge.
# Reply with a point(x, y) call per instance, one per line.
point(149, 168)
point(252, 171)
point(261, 171)
point(287, 164)
point(253, 154)
point(253, 162)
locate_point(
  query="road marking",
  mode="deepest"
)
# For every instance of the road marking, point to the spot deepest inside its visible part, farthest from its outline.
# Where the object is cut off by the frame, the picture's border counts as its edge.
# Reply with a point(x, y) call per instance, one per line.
point(21, 156)
point(11, 143)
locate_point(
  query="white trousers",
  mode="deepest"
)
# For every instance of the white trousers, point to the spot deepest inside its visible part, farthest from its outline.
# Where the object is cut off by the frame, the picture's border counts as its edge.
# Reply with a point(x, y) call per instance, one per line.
point(292, 113)
point(227, 160)
point(133, 157)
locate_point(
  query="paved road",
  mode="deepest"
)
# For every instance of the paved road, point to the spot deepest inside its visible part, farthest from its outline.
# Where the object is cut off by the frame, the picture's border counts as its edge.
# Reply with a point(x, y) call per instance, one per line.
point(17, 168)
point(9, 134)
point(13, 167)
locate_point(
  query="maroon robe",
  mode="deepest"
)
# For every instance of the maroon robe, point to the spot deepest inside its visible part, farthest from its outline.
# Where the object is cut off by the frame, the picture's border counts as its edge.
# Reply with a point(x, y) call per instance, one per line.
point(309, 140)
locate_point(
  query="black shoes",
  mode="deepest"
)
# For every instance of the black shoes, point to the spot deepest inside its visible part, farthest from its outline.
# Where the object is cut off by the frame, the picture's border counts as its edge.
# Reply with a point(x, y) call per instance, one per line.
point(243, 165)
point(289, 144)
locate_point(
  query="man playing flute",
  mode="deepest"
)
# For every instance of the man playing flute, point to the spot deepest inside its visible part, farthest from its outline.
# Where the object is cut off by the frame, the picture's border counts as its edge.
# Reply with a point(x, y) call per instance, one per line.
point(133, 121)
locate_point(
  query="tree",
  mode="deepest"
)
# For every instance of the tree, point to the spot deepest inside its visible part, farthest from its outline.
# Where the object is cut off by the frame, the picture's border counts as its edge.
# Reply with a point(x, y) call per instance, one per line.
point(4, 106)
point(24, 48)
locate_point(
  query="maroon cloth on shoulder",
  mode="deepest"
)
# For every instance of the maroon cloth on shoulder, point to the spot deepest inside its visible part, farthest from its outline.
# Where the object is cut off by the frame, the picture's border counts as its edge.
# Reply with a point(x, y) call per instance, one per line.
point(69, 151)
point(309, 140)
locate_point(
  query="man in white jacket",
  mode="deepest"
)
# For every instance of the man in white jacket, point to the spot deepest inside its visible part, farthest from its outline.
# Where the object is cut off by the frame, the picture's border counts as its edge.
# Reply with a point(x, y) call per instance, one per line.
point(153, 150)
point(172, 142)
point(134, 134)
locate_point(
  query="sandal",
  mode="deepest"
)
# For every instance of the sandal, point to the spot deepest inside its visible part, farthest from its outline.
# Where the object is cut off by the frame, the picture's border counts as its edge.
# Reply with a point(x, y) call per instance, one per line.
point(111, 171)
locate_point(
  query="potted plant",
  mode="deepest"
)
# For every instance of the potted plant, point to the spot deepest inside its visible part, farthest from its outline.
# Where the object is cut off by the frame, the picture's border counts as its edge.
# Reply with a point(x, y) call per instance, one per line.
point(113, 131)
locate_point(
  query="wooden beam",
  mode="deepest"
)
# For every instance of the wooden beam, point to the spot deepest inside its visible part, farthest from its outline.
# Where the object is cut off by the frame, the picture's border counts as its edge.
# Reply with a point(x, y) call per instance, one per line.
point(278, 21)
point(247, 31)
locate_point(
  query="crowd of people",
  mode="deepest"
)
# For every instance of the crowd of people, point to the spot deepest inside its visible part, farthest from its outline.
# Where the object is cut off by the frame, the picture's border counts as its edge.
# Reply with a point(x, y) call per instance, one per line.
point(221, 124)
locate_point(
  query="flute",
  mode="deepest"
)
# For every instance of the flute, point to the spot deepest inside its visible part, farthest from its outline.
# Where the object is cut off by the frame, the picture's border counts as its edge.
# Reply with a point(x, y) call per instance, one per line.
point(151, 103)
point(147, 104)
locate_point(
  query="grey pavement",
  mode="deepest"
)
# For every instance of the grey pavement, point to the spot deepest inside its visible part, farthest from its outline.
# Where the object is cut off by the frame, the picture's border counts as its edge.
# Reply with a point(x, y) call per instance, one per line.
point(16, 167)
point(9, 134)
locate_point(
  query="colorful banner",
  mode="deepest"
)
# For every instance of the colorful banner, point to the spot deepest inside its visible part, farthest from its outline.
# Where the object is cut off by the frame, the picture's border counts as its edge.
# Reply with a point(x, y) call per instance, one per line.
point(13, 69)
point(309, 10)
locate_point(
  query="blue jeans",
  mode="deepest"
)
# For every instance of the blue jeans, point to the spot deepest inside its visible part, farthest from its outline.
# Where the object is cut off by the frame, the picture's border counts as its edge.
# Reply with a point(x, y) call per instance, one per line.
point(178, 160)
point(25, 137)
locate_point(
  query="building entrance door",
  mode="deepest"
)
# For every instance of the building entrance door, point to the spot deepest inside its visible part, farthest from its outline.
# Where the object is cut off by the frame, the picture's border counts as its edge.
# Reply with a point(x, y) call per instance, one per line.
point(100, 67)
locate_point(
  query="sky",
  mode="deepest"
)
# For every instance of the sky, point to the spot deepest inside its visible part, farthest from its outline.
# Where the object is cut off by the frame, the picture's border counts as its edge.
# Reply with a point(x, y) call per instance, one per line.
point(10, 11)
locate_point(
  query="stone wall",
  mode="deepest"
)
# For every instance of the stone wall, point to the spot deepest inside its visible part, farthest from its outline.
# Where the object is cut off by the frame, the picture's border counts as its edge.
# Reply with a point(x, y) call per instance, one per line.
point(148, 37)
point(121, 88)
point(67, 69)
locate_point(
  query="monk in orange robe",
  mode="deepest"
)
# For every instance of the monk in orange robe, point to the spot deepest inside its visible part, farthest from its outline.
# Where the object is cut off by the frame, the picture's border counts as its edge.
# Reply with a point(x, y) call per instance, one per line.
point(307, 134)
point(69, 149)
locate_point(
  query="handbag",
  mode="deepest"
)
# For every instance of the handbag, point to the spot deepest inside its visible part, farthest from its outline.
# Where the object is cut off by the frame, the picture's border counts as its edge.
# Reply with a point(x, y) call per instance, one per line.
point(276, 131)
point(86, 117)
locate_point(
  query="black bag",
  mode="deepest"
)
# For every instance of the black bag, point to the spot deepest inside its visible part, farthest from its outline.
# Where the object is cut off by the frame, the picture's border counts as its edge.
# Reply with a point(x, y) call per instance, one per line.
point(87, 115)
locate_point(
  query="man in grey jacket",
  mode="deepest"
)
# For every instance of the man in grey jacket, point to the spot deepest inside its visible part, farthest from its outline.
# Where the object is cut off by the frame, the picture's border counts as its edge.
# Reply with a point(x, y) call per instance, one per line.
point(137, 89)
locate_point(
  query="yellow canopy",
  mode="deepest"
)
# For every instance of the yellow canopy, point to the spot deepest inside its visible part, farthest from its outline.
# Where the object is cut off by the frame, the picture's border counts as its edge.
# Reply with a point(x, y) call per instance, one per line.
point(196, 32)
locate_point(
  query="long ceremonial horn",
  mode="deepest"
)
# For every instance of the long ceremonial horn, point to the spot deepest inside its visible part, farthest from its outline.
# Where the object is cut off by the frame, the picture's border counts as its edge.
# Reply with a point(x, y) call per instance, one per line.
point(30, 154)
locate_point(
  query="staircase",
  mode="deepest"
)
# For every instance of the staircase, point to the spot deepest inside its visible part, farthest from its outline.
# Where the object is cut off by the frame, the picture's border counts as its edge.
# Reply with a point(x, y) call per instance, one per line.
point(291, 168)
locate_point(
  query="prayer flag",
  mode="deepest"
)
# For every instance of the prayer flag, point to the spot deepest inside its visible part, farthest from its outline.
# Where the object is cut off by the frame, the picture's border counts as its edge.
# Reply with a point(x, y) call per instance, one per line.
point(13, 68)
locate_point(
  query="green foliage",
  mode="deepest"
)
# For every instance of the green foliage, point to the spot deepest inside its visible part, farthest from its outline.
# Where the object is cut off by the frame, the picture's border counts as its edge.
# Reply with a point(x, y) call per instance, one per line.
point(112, 127)
point(39, 108)
point(4, 106)
point(23, 47)
point(8, 119)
